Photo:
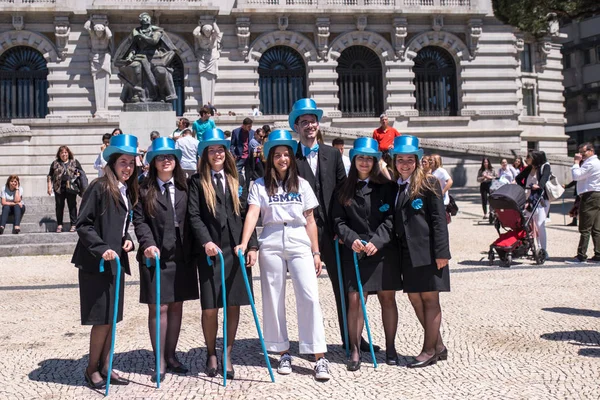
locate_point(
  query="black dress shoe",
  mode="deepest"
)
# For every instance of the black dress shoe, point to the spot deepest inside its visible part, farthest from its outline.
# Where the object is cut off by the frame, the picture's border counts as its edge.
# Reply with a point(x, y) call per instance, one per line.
point(211, 372)
point(231, 374)
point(179, 370)
point(153, 378)
point(443, 355)
point(90, 382)
point(364, 346)
point(391, 359)
point(116, 381)
point(421, 364)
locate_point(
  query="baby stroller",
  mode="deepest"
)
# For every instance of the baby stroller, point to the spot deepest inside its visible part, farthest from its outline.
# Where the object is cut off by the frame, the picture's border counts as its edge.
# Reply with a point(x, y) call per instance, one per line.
point(496, 184)
point(509, 203)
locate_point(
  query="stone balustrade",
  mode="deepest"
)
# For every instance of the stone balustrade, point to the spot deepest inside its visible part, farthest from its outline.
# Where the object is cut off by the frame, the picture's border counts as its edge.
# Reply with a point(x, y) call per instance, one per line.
point(391, 4)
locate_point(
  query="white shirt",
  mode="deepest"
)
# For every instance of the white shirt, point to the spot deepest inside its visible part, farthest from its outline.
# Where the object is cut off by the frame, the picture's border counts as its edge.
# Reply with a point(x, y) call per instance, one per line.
point(9, 195)
point(99, 165)
point(443, 176)
point(189, 151)
point(587, 176)
point(223, 180)
point(283, 206)
point(171, 194)
point(508, 174)
point(123, 190)
point(347, 163)
point(312, 158)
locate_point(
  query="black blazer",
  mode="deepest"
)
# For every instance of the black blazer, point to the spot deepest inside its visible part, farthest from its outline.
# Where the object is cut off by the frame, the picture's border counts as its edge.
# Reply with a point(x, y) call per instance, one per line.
point(368, 217)
point(330, 173)
point(149, 230)
point(205, 226)
point(100, 228)
point(425, 229)
point(543, 174)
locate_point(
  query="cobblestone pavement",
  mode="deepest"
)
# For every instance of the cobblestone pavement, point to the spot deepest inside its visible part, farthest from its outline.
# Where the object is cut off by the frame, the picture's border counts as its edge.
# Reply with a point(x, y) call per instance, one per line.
point(528, 332)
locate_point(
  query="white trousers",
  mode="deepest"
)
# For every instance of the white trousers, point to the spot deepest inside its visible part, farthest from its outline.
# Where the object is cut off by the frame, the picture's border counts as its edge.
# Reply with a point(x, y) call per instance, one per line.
point(539, 220)
point(282, 249)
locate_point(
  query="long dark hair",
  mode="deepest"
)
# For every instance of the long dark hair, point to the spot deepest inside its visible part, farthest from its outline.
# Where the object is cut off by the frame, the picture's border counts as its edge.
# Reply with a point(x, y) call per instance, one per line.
point(538, 158)
point(348, 188)
point(291, 182)
point(489, 168)
point(151, 188)
point(231, 177)
point(110, 183)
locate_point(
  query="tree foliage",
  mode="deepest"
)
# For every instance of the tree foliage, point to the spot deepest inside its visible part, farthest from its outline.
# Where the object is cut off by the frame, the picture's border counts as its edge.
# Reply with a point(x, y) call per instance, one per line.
point(532, 15)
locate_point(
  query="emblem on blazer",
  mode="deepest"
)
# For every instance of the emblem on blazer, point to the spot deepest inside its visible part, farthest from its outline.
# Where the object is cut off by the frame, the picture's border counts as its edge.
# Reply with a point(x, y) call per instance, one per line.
point(417, 204)
point(240, 190)
point(130, 215)
point(384, 208)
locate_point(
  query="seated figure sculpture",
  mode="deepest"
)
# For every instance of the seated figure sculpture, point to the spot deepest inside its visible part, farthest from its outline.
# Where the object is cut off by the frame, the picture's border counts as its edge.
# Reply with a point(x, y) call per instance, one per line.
point(143, 63)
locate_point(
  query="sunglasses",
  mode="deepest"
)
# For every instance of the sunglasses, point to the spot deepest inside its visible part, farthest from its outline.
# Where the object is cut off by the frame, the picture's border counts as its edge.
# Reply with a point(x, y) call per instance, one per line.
point(165, 157)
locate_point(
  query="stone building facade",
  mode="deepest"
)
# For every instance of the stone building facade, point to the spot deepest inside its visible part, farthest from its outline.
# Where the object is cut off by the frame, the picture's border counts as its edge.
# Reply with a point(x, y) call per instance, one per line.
point(440, 69)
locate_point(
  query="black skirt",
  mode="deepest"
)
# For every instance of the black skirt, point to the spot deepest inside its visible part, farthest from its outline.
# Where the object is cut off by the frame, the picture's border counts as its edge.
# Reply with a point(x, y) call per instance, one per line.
point(178, 280)
point(427, 278)
point(378, 272)
point(210, 277)
point(97, 297)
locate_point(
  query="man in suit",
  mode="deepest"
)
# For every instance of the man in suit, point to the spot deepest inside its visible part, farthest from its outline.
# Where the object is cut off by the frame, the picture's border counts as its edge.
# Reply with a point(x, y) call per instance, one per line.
point(322, 166)
point(240, 143)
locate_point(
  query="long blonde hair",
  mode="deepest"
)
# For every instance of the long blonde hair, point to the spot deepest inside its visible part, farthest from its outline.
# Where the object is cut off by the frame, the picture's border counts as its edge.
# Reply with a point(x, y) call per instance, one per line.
point(420, 181)
point(231, 175)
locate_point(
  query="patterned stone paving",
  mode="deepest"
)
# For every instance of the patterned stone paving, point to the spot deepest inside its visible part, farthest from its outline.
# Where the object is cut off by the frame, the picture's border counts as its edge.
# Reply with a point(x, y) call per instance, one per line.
point(528, 332)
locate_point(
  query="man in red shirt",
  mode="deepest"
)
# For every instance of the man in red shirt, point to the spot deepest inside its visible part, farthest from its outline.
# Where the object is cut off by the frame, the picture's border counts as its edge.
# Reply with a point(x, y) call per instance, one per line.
point(385, 134)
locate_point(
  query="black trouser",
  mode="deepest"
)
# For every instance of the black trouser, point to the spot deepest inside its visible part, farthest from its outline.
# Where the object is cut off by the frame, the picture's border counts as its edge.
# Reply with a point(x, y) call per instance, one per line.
point(589, 224)
point(328, 257)
point(18, 212)
point(484, 190)
point(59, 199)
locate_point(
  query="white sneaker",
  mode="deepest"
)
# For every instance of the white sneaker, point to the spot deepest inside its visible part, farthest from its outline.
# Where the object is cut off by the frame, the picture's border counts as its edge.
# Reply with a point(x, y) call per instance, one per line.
point(285, 364)
point(322, 370)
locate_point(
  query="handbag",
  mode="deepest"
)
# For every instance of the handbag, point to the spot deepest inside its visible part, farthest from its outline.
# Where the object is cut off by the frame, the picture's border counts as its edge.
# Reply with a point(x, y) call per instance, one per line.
point(452, 208)
point(554, 190)
point(73, 185)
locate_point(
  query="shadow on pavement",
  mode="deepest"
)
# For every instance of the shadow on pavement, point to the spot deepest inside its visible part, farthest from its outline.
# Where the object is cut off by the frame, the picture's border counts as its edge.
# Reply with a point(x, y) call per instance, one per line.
point(574, 311)
point(584, 338)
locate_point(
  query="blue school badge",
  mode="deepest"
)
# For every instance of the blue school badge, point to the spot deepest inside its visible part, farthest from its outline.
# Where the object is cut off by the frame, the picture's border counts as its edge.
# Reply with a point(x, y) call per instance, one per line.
point(240, 190)
point(417, 204)
point(130, 215)
point(384, 208)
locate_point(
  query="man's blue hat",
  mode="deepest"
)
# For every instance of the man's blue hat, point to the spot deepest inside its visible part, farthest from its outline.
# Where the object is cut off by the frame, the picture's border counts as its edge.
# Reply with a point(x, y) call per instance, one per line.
point(162, 145)
point(302, 107)
point(365, 146)
point(406, 144)
point(213, 137)
point(280, 137)
point(121, 144)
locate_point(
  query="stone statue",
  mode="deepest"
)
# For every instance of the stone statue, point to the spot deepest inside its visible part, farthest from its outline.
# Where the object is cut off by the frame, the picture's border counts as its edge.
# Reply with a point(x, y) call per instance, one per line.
point(207, 40)
point(101, 42)
point(144, 64)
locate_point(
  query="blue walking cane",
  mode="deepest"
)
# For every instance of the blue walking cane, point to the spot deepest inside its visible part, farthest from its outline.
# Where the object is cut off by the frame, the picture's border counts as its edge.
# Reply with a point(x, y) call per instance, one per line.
point(364, 307)
point(224, 295)
point(157, 324)
point(260, 335)
point(342, 295)
point(114, 323)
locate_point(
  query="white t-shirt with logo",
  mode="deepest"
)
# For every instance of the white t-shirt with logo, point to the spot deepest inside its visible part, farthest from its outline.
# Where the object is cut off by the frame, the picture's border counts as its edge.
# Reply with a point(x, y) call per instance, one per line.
point(443, 176)
point(283, 206)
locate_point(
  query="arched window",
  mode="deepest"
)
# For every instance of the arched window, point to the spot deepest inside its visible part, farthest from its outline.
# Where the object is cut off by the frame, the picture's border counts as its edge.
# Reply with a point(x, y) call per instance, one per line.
point(178, 81)
point(23, 84)
point(435, 82)
point(360, 82)
point(282, 80)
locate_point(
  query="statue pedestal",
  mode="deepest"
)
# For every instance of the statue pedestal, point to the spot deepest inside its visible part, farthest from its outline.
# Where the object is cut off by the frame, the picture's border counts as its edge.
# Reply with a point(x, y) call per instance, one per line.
point(139, 119)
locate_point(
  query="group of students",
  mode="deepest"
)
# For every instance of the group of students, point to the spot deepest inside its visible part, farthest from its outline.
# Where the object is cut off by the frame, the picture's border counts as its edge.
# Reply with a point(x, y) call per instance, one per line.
point(307, 205)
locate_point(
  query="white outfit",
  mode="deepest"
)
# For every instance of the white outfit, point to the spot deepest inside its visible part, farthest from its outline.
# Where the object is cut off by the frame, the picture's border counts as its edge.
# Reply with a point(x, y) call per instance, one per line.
point(189, 152)
point(443, 176)
point(285, 246)
point(9, 195)
point(539, 218)
point(347, 163)
point(587, 176)
point(509, 174)
point(99, 165)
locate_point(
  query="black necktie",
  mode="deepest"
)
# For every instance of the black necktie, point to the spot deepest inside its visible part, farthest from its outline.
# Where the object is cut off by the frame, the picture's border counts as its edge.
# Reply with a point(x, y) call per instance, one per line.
point(220, 188)
point(170, 237)
point(360, 185)
point(401, 193)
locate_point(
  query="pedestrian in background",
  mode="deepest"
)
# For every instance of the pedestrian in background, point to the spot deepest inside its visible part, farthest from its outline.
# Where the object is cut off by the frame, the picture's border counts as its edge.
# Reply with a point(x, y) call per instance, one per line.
point(485, 176)
point(203, 124)
point(188, 145)
point(106, 212)
point(422, 233)
point(385, 134)
point(99, 164)
point(64, 171)
point(338, 143)
point(11, 198)
point(445, 180)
